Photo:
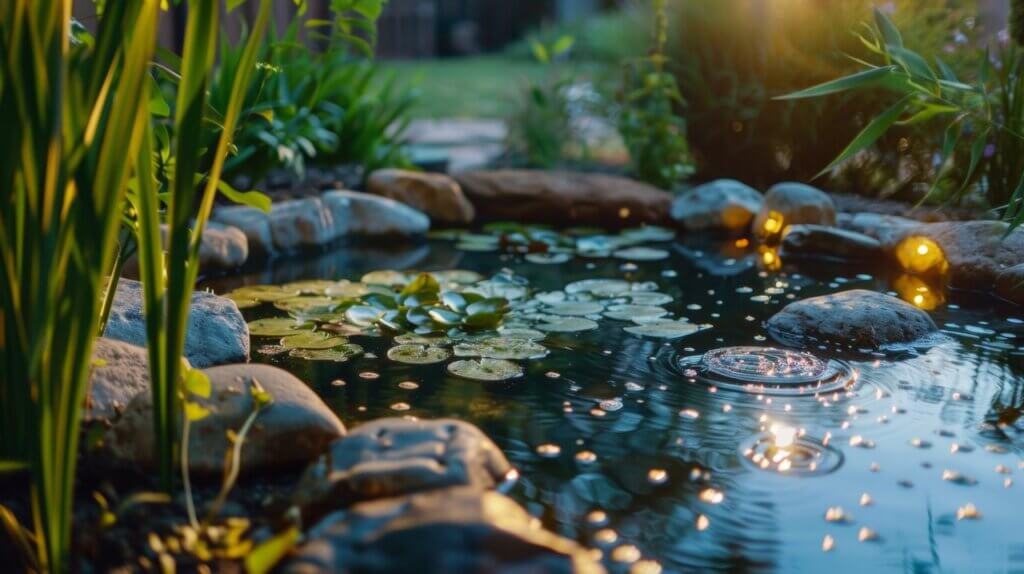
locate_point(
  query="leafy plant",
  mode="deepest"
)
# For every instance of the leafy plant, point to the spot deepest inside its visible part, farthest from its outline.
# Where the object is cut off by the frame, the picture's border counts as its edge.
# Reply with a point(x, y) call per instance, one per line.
point(73, 109)
point(975, 116)
point(653, 133)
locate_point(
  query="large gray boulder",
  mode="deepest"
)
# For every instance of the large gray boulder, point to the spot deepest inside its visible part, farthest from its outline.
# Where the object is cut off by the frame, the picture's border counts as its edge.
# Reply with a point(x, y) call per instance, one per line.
point(877, 225)
point(435, 194)
point(253, 223)
point(795, 203)
point(295, 429)
point(222, 247)
point(217, 332)
point(821, 240)
point(563, 198)
point(438, 532)
point(301, 223)
point(393, 457)
point(857, 319)
point(120, 372)
point(720, 204)
point(358, 214)
point(976, 251)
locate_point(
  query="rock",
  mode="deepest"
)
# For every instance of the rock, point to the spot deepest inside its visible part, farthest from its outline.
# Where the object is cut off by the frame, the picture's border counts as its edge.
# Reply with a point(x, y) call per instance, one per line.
point(976, 251)
point(253, 223)
point(857, 318)
point(720, 204)
point(301, 223)
point(795, 203)
point(435, 194)
point(436, 532)
point(123, 374)
point(393, 457)
point(807, 239)
point(296, 428)
point(217, 333)
point(879, 226)
point(222, 247)
point(564, 198)
point(365, 215)
point(1010, 284)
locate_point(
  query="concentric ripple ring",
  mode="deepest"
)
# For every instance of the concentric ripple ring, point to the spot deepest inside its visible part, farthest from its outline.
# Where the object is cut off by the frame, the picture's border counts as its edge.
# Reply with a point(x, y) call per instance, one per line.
point(768, 370)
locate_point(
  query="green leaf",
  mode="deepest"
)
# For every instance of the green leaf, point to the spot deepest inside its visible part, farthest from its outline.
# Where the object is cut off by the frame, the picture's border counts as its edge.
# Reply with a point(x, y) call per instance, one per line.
point(562, 45)
point(889, 77)
point(977, 149)
point(947, 73)
point(7, 466)
point(928, 111)
point(195, 411)
point(914, 64)
point(423, 283)
point(267, 554)
point(255, 199)
point(540, 52)
point(197, 383)
point(870, 133)
point(890, 33)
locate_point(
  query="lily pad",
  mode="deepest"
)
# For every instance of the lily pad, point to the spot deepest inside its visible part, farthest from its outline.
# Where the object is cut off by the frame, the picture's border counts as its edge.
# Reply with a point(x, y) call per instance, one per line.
point(666, 329)
point(486, 369)
point(520, 333)
point(641, 254)
point(363, 315)
point(385, 277)
point(567, 325)
point(633, 312)
point(414, 339)
point(267, 293)
point(649, 298)
point(310, 287)
point(604, 287)
point(418, 354)
point(312, 340)
point(307, 304)
point(649, 233)
point(337, 354)
point(548, 258)
point(460, 276)
point(346, 289)
point(502, 348)
point(274, 327)
point(575, 308)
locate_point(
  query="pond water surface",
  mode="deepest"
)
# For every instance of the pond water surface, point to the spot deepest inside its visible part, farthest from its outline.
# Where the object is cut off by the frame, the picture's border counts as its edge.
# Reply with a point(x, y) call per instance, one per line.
point(914, 466)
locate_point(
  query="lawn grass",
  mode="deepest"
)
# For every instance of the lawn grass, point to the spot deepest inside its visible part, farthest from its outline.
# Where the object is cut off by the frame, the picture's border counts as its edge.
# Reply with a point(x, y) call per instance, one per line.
point(477, 87)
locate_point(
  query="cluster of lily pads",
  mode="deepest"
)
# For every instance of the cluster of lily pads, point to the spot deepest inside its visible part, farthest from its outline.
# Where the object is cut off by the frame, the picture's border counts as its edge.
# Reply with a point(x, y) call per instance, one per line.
point(544, 245)
point(485, 323)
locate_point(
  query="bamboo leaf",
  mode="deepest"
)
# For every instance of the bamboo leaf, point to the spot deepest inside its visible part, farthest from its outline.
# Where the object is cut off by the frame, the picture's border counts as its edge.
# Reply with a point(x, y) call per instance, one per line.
point(870, 133)
point(886, 77)
point(890, 33)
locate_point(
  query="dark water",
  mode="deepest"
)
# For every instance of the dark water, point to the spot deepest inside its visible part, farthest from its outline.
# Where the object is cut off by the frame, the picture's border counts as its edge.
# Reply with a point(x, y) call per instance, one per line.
point(662, 441)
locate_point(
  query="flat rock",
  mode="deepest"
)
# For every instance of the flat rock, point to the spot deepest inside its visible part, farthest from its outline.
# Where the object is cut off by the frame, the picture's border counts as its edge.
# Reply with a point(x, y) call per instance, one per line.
point(438, 532)
point(796, 203)
point(976, 251)
point(564, 198)
point(857, 318)
point(366, 215)
point(877, 225)
point(120, 372)
point(720, 204)
point(821, 240)
point(1010, 284)
point(295, 429)
point(222, 247)
point(393, 457)
point(253, 223)
point(435, 194)
point(301, 223)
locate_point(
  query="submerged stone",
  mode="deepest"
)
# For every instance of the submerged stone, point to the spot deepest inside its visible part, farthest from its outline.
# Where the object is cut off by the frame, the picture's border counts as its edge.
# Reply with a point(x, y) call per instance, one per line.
point(442, 531)
point(857, 318)
point(394, 457)
point(296, 428)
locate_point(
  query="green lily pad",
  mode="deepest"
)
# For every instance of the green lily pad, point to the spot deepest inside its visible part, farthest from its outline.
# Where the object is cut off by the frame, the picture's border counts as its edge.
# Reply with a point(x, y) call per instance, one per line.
point(337, 354)
point(502, 348)
point(604, 287)
point(312, 340)
point(567, 325)
point(459, 276)
point(633, 312)
point(385, 277)
point(346, 289)
point(649, 298)
point(649, 233)
point(414, 339)
point(418, 354)
point(307, 304)
point(274, 327)
point(521, 333)
point(665, 329)
point(575, 308)
point(548, 258)
point(310, 287)
point(641, 254)
point(363, 315)
point(486, 369)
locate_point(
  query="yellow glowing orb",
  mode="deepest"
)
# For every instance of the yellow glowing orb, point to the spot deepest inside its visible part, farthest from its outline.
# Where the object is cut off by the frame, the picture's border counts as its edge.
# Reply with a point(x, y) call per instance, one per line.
point(770, 259)
point(916, 291)
point(920, 255)
point(773, 224)
point(742, 242)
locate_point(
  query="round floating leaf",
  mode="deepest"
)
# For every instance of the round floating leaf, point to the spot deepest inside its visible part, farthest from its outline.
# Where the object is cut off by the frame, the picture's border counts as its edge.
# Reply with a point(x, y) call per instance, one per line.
point(454, 301)
point(307, 304)
point(521, 333)
point(482, 320)
point(550, 297)
point(567, 325)
point(548, 258)
point(310, 287)
point(649, 298)
point(649, 233)
point(460, 276)
point(363, 315)
point(246, 303)
point(641, 254)
point(666, 329)
point(418, 354)
point(445, 317)
point(509, 291)
point(502, 348)
point(268, 293)
point(337, 354)
point(345, 289)
point(634, 312)
point(486, 369)
point(480, 247)
point(606, 287)
point(414, 339)
point(493, 305)
point(274, 327)
point(312, 340)
point(385, 277)
point(575, 308)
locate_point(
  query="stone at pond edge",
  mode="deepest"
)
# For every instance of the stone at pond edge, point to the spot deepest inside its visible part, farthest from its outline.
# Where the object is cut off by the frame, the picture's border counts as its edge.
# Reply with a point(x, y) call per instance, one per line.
point(222, 247)
point(720, 204)
point(563, 198)
point(295, 429)
point(435, 194)
point(124, 373)
point(1010, 284)
point(796, 203)
point(808, 239)
point(254, 223)
point(857, 318)
point(879, 226)
point(977, 251)
point(358, 214)
point(217, 333)
point(394, 457)
point(438, 532)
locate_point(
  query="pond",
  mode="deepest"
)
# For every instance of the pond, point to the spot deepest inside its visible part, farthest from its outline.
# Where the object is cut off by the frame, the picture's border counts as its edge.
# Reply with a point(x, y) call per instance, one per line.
point(638, 446)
